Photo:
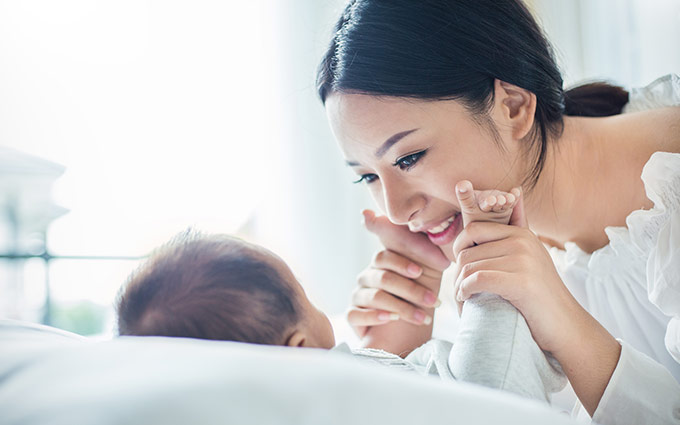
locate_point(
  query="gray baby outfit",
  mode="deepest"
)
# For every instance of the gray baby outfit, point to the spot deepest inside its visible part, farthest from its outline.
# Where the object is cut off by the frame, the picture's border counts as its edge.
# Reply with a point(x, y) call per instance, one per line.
point(494, 348)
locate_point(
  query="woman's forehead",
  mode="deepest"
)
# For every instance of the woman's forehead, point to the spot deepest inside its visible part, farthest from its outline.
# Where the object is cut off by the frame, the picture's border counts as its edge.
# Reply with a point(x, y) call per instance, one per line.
point(371, 112)
point(363, 121)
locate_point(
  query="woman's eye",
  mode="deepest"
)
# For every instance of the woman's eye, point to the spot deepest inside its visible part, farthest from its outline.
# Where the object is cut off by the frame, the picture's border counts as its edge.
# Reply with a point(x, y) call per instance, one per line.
point(366, 178)
point(407, 162)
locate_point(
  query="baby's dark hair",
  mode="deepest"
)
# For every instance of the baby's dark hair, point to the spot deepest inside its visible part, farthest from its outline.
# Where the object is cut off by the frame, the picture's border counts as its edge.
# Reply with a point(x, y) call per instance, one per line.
point(210, 287)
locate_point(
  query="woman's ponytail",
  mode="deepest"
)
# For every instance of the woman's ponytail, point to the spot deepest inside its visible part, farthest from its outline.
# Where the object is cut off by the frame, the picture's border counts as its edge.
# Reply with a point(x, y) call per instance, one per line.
point(595, 100)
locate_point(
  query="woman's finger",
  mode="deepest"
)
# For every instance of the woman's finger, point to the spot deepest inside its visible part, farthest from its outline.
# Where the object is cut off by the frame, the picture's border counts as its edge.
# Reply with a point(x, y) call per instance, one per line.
point(489, 250)
point(390, 260)
point(360, 319)
point(480, 232)
point(494, 281)
point(459, 304)
point(396, 284)
point(500, 264)
point(477, 269)
point(378, 299)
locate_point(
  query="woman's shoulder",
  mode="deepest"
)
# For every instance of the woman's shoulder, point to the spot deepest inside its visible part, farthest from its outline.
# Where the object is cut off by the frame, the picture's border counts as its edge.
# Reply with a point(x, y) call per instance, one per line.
point(648, 131)
point(652, 116)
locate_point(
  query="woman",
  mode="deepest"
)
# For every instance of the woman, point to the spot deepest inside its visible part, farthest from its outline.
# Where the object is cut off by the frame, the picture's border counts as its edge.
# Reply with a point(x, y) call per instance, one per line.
point(422, 95)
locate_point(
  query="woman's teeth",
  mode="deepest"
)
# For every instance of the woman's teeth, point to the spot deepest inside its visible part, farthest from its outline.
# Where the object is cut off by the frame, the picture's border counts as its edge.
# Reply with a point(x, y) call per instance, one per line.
point(445, 225)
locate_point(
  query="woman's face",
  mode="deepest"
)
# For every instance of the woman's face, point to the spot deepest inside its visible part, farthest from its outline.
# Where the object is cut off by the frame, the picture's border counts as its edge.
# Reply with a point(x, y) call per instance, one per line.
point(411, 153)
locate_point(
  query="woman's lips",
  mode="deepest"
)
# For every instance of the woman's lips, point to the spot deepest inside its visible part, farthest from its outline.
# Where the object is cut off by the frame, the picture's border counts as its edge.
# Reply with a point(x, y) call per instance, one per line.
point(449, 234)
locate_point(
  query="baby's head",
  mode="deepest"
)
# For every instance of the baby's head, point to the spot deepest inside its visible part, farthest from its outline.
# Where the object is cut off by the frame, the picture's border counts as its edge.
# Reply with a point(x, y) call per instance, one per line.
point(222, 288)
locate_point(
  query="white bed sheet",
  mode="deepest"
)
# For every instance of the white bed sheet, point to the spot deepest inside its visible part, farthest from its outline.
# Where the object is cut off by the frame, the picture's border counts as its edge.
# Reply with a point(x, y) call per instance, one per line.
point(51, 377)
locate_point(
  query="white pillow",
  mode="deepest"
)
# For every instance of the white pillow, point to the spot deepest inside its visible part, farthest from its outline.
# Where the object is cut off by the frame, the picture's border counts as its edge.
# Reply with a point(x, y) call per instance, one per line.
point(52, 377)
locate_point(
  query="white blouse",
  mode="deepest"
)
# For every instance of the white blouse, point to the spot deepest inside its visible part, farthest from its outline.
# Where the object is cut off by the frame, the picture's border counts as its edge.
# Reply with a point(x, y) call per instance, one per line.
point(632, 287)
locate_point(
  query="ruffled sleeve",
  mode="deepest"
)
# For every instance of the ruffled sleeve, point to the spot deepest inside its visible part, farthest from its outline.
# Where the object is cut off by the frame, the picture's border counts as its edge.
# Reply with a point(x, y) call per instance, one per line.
point(662, 180)
point(642, 391)
point(632, 287)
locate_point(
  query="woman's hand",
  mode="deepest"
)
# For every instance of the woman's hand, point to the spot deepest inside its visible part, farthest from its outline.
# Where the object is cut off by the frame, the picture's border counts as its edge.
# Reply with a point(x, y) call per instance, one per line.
point(394, 287)
point(402, 282)
point(512, 262)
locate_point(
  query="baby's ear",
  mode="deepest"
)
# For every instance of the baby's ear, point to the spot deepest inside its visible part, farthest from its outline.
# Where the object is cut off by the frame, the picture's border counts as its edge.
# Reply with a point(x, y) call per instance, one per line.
point(297, 339)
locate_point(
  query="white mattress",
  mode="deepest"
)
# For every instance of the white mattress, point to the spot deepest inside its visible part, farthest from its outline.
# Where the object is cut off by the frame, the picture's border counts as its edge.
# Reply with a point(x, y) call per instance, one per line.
point(53, 377)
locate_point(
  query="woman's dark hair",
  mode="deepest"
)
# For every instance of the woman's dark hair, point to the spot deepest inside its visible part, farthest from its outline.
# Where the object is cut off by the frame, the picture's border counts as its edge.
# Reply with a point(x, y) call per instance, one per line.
point(454, 49)
point(208, 287)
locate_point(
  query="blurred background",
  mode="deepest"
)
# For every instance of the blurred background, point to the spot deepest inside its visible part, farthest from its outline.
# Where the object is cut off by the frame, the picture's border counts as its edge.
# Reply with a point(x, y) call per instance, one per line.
point(124, 122)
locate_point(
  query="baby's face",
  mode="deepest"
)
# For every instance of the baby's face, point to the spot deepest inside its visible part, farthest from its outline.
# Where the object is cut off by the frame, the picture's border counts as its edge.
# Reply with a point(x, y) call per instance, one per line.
point(314, 323)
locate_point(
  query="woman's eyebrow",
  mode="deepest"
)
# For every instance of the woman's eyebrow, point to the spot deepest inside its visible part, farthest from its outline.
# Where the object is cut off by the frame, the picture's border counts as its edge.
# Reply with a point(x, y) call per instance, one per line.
point(382, 150)
point(392, 141)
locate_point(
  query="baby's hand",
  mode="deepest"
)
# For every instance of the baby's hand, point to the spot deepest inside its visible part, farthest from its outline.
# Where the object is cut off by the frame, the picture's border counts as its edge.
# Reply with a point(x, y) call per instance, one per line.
point(485, 205)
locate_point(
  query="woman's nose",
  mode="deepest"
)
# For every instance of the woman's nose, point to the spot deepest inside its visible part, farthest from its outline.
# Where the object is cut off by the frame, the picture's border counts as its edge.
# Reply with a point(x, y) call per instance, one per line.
point(401, 203)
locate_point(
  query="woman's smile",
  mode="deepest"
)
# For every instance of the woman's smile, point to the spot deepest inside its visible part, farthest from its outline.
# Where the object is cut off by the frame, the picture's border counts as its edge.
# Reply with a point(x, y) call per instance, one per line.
point(446, 232)
point(443, 233)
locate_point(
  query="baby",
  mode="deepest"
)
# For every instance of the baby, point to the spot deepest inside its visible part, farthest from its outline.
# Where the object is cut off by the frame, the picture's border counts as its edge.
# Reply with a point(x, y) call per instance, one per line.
point(222, 288)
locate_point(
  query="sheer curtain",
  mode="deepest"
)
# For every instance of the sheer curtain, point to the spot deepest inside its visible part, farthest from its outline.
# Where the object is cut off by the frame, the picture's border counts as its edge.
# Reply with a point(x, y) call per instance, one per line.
point(629, 42)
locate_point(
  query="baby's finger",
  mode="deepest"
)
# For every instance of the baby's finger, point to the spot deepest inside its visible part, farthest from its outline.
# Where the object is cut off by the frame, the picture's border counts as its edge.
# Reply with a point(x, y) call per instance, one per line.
point(378, 299)
point(398, 285)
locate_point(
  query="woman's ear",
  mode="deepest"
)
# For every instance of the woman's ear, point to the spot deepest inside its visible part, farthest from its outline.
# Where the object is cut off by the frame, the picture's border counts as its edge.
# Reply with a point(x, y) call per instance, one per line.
point(517, 106)
point(297, 339)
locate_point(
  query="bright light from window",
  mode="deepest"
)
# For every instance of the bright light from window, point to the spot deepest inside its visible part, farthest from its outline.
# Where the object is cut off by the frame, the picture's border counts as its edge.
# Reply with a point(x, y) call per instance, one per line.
point(154, 107)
